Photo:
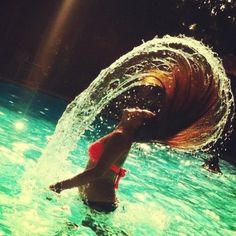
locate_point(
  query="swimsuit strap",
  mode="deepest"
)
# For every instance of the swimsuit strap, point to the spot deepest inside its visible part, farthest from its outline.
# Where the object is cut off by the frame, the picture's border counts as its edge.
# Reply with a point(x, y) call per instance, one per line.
point(120, 172)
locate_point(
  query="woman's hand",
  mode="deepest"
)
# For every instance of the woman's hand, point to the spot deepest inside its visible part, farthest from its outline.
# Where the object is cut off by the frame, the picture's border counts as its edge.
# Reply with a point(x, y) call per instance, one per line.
point(56, 187)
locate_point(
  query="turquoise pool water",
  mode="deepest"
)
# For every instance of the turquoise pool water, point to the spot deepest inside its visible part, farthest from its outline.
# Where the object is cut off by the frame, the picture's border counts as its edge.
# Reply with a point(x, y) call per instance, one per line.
point(164, 193)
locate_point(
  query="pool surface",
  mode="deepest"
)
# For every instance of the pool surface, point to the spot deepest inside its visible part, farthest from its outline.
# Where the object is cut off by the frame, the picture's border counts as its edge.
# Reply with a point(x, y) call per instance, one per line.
point(165, 192)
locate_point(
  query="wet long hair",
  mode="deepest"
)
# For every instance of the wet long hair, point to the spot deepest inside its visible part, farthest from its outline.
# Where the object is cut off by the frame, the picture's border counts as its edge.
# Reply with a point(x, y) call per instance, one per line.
point(185, 111)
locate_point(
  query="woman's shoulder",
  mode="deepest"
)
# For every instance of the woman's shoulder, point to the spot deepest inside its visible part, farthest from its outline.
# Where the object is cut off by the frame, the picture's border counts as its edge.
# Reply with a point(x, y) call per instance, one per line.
point(117, 137)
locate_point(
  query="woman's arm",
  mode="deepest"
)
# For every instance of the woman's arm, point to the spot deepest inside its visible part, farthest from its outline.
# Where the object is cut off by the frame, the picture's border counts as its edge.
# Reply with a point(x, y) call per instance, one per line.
point(112, 151)
point(76, 181)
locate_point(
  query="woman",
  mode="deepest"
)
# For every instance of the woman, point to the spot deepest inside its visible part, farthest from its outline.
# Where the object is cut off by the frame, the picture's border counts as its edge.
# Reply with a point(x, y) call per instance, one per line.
point(98, 182)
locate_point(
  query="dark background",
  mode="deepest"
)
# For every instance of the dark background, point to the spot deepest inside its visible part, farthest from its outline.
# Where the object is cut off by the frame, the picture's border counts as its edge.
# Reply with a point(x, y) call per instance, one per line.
point(97, 32)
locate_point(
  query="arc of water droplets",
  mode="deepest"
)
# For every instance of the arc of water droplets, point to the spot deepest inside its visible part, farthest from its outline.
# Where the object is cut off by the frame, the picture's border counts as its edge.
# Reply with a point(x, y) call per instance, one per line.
point(124, 74)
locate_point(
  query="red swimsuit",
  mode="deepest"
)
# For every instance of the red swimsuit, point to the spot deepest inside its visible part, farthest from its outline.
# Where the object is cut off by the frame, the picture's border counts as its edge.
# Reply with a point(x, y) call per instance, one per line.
point(95, 152)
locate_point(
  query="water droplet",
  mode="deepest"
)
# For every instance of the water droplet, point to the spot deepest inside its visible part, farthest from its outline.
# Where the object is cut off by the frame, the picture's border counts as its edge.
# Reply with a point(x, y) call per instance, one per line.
point(192, 27)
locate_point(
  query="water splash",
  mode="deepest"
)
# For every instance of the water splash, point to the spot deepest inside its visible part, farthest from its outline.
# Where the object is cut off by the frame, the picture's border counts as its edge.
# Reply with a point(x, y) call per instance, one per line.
point(201, 69)
point(196, 89)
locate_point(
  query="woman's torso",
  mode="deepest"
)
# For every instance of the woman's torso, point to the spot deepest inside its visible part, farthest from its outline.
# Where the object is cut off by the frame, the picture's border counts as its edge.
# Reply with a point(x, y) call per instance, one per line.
point(102, 189)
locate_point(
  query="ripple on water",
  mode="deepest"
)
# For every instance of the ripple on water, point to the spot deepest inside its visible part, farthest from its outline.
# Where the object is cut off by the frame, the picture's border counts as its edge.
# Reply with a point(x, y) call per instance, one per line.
point(164, 192)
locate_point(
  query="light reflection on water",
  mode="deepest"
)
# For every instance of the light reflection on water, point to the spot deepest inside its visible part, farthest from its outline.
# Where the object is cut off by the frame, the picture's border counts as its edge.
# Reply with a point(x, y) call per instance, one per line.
point(164, 192)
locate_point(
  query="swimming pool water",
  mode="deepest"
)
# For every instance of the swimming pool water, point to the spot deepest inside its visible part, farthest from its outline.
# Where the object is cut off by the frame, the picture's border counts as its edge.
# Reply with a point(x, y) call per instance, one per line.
point(165, 192)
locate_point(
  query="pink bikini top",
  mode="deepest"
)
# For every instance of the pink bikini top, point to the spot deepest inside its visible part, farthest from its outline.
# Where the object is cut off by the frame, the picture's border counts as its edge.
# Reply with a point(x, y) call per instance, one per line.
point(95, 152)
